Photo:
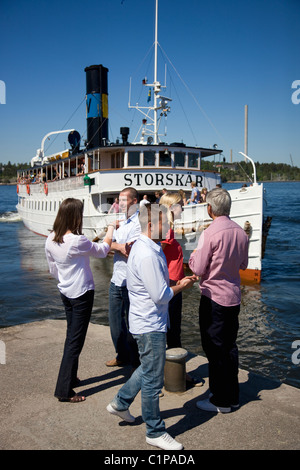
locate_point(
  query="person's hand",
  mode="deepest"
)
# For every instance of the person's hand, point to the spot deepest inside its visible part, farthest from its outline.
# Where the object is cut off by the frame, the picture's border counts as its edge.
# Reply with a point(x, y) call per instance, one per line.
point(115, 224)
point(122, 249)
point(187, 281)
point(128, 247)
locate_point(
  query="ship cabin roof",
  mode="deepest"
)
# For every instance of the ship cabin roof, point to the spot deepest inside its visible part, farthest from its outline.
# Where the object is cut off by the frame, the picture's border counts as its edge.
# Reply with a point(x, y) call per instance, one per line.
point(126, 156)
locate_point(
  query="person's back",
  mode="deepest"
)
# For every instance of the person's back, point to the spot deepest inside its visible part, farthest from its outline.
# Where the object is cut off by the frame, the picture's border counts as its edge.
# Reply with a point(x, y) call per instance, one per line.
point(148, 298)
point(149, 292)
point(230, 251)
point(69, 262)
point(222, 251)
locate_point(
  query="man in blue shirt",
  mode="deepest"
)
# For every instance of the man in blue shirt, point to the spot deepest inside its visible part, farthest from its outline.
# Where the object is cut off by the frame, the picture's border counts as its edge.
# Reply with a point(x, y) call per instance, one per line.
point(149, 295)
point(195, 195)
point(129, 231)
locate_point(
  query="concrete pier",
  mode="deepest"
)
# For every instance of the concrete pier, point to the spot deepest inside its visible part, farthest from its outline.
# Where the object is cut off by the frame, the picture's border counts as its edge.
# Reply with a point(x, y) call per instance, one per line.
point(32, 419)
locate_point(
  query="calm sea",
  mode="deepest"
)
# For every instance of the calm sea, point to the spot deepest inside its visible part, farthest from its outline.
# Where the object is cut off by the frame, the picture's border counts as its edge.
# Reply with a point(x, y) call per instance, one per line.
point(269, 317)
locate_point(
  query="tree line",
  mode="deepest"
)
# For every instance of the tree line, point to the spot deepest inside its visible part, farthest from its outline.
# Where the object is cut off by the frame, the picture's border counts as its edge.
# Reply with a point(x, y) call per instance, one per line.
point(238, 171)
point(242, 171)
point(8, 171)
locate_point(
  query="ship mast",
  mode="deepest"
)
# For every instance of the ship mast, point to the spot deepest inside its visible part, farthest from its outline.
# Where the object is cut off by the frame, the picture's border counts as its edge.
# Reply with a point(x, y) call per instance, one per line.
point(156, 84)
point(161, 103)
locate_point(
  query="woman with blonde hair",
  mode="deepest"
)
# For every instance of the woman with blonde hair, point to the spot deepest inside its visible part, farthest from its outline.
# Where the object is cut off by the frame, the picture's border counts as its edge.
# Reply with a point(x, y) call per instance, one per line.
point(174, 256)
point(68, 252)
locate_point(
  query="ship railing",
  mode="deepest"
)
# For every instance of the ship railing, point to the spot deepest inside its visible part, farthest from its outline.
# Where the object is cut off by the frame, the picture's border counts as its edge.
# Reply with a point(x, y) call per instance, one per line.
point(65, 184)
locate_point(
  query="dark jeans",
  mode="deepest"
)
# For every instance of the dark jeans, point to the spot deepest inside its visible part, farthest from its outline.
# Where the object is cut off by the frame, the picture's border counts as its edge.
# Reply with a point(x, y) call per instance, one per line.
point(78, 313)
point(124, 343)
point(174, 330)
point(219, 327)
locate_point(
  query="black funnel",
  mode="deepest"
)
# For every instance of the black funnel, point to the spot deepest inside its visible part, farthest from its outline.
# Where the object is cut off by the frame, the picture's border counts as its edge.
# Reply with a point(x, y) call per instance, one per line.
point(124, 133)
point(96, 106)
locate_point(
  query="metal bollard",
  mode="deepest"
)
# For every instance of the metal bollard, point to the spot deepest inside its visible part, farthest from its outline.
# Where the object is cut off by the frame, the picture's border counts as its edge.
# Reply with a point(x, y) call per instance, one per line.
point(175, 371)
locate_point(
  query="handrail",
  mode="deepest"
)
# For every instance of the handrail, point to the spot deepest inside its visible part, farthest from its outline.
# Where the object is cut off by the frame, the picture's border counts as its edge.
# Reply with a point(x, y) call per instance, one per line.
point(254, 168)
point(40, 152)
point(51, 133)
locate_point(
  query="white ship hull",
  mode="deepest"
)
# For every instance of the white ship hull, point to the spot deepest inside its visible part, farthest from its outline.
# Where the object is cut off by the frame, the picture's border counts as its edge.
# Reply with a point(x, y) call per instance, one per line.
point(38, 205)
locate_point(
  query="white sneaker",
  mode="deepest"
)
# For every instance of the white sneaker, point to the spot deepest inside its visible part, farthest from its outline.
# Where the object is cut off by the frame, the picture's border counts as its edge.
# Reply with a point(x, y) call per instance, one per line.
point(125, 415)
point(165, 442)
point(207, 405)
point(235, 406)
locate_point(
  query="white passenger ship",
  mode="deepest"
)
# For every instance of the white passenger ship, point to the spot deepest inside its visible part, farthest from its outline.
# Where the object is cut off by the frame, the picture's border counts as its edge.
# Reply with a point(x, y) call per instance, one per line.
point(97, 174)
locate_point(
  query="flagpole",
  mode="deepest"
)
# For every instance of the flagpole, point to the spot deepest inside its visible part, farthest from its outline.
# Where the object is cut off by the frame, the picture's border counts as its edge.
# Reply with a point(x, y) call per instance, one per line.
point(156, 88)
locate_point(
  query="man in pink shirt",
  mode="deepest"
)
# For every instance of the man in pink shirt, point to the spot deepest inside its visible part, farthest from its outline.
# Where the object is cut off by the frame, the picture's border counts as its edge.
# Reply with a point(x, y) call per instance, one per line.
point(222, 251)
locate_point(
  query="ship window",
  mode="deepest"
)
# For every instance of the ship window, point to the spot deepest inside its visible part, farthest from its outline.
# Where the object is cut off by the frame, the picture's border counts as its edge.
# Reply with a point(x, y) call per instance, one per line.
point(164, 158)
point(112, 161)
point(96, 200)
point(117, 160)
point(179, 158)
point(149, 158)
point(133, 158)
point(193, 160)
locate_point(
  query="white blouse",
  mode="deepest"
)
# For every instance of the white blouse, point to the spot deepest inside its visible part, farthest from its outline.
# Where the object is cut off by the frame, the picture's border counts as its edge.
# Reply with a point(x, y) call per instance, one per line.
point(69, 262)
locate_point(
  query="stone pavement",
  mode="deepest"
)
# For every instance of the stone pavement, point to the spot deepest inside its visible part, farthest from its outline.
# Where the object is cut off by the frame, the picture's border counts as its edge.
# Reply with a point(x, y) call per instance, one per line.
point(32, 419)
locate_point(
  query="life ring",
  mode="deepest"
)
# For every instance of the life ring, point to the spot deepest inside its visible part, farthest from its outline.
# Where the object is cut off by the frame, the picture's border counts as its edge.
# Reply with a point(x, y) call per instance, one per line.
point(28, 189)
point(46, 188)
point(17, 188)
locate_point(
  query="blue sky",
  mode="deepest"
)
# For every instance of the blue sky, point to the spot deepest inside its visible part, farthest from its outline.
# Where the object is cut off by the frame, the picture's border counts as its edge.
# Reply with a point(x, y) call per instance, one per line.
point(221, 54)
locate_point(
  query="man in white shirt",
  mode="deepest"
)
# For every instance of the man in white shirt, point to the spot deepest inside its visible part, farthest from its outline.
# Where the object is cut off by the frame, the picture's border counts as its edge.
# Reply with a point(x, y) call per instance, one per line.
point(129, 231)
point(144, 200)
point(149, 295)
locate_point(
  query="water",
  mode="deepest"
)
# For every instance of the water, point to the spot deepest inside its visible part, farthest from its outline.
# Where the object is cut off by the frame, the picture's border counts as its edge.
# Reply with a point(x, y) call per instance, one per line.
point(269, 317)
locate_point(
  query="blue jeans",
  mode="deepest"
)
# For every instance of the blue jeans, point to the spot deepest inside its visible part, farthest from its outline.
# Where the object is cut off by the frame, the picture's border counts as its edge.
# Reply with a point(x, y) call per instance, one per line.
point(78, 313)
point(125, 345)
point(149, 378)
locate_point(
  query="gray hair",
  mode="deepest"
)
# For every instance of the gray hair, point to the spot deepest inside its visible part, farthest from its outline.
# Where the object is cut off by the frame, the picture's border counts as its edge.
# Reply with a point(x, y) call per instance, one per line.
point(220, 201)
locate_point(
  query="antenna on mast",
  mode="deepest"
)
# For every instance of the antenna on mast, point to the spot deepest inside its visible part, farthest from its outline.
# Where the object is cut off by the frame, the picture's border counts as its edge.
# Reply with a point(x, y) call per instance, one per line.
point(150, 123)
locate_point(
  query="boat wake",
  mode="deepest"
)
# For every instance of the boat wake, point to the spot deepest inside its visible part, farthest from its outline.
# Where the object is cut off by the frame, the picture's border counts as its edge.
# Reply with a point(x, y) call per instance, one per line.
point(10, 217)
